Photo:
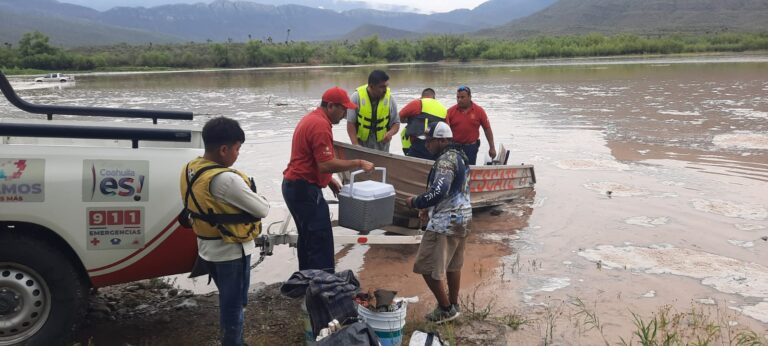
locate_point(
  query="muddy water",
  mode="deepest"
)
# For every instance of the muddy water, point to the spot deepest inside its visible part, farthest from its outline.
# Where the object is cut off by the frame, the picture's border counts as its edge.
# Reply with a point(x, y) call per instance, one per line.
point(652, 180)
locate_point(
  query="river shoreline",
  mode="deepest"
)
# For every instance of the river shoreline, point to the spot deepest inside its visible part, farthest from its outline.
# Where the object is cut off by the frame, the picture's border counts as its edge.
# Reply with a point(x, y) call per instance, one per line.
point(714, 57)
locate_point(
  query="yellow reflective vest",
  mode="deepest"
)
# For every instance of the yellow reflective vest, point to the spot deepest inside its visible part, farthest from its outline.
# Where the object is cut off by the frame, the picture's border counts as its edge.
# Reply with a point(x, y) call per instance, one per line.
point(431, 111)
point(212, 218)
point(365, 122)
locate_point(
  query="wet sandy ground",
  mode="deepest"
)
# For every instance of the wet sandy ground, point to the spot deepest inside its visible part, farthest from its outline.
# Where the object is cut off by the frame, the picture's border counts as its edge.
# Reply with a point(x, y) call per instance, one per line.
point(652, 183)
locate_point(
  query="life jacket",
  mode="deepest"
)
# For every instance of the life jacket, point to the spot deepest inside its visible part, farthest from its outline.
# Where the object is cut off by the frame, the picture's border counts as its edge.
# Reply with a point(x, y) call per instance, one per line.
point(365, 122)
point(212, 218)
point(432, 111)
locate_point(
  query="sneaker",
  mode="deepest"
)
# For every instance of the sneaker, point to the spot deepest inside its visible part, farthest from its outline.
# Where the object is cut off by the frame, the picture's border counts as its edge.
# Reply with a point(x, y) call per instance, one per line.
point(456, 307)
point(440, 316)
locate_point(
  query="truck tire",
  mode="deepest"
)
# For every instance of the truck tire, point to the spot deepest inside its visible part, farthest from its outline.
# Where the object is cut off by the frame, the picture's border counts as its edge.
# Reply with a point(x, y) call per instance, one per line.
point(42, 293)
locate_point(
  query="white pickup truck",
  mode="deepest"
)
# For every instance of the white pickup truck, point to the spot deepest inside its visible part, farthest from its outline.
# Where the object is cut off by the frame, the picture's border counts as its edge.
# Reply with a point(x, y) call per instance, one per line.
point(55, 77)
point(84, 206)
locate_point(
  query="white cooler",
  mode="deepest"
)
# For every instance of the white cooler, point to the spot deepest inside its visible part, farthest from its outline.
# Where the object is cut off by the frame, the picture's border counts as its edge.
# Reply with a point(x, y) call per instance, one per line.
point(366, 205)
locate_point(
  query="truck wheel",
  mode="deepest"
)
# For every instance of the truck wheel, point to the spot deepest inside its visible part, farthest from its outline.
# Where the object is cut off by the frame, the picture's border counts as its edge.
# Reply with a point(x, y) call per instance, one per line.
point(42, 295)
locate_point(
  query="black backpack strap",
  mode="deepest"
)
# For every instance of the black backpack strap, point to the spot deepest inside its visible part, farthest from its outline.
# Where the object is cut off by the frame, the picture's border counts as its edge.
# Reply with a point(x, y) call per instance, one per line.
point(217, 220)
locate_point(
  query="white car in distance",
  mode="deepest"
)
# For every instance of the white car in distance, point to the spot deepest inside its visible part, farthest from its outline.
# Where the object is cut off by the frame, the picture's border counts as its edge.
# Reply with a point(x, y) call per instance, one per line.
point(55, 77)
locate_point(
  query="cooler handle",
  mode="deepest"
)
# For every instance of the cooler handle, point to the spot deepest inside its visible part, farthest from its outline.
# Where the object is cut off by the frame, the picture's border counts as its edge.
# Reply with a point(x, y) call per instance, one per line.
point(352, 177)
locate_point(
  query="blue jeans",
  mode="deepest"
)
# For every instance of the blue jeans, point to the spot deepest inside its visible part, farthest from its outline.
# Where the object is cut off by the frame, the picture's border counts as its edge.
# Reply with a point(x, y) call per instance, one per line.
point(313, 220)
point(232, 278)
point(471, 151)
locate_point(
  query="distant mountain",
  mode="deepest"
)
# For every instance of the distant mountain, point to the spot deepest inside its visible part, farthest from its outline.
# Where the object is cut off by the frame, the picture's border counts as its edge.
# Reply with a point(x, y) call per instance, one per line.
point(494, 12)
point(223, 20)
point(383, 32)
point(236, 20)
point(646, 16)
point(240, 21)
point(335, 5)
point(67, 30)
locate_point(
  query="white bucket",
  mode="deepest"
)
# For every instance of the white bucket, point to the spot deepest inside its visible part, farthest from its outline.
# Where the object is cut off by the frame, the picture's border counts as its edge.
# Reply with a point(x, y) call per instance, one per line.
point(388, 326)
point(309, 335)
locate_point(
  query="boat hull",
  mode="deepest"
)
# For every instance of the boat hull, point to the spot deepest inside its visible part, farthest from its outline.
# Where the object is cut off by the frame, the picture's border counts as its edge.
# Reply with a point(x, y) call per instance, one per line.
point(489, 185)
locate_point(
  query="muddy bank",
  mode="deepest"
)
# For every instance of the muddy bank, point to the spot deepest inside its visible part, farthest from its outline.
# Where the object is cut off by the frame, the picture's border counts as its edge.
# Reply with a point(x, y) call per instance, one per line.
point(149, 313)
point(154, 313)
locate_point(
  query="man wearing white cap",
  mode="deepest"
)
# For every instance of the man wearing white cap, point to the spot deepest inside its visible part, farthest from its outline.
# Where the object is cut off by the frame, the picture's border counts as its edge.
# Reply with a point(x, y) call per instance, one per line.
point(446, 205)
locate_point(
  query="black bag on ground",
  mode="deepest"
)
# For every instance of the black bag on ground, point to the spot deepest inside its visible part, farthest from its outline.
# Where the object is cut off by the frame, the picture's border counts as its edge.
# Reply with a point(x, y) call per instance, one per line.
point(328, 296)
point(355, 334)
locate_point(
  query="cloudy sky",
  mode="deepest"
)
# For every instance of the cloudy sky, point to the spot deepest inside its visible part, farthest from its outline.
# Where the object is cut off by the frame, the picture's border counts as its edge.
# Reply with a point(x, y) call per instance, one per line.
point(423, 6)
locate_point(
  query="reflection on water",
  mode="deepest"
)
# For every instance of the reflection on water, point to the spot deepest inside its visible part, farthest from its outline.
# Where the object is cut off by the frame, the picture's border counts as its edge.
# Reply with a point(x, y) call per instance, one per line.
point(680, 144)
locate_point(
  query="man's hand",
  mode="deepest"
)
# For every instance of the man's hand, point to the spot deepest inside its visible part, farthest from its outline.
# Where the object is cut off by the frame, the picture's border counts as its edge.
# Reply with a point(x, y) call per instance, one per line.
point(366, 166)
point(423, 216)
point(387, 137)
point(492, 152)
point(335, 186)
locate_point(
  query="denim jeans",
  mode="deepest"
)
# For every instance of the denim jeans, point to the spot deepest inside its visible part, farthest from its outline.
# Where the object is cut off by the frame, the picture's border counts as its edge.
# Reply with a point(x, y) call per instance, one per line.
point(232, 278)
point(313, 220)
point(471, 151)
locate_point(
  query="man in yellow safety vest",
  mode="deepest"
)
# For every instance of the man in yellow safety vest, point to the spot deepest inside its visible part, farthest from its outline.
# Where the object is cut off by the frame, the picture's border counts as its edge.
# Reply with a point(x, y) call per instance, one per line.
point(419, 114)
point(374, 123)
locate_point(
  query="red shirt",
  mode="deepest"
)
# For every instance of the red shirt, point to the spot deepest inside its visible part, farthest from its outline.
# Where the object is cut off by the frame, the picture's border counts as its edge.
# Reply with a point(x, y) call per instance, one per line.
point(412, 109)
point(465, 125)
point(312, 143)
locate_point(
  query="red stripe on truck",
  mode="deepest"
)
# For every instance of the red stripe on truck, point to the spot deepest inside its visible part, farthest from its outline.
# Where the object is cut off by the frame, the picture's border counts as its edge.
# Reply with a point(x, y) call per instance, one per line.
point(176, 254)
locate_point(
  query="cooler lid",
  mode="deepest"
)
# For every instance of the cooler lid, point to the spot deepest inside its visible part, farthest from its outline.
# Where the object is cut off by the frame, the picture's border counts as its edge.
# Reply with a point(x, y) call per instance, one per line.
point(368, 190)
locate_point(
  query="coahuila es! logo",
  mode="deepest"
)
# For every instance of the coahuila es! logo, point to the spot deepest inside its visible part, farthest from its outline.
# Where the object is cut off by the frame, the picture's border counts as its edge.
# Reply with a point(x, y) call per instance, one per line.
point(21, 180)
point(12, 169)
point(114, 180)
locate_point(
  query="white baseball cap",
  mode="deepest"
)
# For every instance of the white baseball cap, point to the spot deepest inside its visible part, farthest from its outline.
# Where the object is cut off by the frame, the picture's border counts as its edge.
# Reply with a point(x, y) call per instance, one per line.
point(437, 130)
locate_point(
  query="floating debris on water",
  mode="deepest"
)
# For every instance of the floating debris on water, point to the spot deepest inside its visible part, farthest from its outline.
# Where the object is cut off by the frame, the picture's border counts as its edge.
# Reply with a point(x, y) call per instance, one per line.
point(617, 189)
point(591, 164)
point(749, 227)
point(758, 311)
point(724, 274)
point(731, 209)
point(647, 221)
point(741, 140)
point(741, 243)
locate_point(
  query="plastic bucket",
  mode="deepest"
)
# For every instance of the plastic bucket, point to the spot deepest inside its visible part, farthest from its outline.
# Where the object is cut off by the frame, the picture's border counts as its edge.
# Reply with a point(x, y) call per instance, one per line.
point(309, 336)
point(388, 326)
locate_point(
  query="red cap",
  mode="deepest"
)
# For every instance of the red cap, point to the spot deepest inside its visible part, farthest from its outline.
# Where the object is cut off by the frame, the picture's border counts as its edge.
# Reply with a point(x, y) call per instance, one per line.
point(338, 96)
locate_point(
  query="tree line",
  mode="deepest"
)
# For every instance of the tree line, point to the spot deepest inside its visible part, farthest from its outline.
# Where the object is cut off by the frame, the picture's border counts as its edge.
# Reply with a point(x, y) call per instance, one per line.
point(35, 52)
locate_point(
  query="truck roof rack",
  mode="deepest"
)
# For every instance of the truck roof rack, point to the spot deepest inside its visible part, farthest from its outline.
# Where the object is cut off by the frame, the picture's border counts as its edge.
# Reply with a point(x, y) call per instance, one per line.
point(92, 132)
point(95, 132)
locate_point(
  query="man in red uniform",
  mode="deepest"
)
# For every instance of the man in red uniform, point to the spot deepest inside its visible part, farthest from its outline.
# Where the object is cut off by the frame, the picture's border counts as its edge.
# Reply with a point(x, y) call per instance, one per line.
point(465, 119)
point(309, 171)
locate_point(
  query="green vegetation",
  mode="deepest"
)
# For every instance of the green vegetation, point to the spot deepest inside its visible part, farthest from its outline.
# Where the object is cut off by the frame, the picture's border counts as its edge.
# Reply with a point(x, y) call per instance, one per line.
point(34, 52)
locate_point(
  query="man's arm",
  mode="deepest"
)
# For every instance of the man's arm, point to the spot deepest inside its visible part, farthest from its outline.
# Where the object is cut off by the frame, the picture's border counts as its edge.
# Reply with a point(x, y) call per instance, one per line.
point(231, 188)
point(488, 133)
point(491, 144)
point(438, 188)
point(338, 165)
point(352, 119)
point(394, 122)
point(392, 132)
point(412, 109)
point(352, 132)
